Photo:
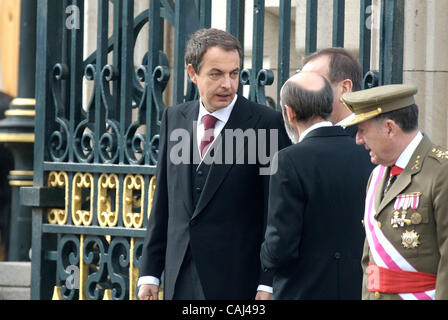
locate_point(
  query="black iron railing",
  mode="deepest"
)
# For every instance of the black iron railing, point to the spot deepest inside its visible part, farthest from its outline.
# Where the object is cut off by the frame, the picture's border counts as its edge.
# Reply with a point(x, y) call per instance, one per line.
point(94, 164)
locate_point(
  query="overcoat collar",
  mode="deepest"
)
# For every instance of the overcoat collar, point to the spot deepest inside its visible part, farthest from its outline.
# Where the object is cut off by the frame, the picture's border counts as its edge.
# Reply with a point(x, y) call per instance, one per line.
point(326, 132)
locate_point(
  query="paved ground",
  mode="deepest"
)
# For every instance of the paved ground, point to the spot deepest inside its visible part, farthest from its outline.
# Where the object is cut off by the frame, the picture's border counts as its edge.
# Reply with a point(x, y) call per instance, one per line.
point(15, 280)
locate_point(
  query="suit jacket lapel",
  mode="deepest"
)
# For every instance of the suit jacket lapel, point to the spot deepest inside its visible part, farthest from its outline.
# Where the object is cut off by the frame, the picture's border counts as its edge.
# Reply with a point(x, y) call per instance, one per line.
point(190, 113)
point(405, 178)
point(240, 118)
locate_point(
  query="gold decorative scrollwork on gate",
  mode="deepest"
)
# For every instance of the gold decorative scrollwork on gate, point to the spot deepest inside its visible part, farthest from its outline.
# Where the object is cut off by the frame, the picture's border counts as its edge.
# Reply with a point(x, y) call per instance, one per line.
point(133, 271)
point(82, 199)
point(151, 189)
point(133, 201)
point(108, 203)
point(58, 180)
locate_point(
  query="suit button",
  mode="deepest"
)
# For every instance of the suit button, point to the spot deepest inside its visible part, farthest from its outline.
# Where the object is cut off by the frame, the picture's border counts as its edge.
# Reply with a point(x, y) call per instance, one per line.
point(337, 255)
point(200, 173)
point(198, 190)
point(193, 222)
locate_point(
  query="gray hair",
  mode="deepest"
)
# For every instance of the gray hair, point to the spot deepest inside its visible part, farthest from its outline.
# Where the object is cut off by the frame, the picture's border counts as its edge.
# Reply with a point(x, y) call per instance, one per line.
point(406, 118)
point(308, 104)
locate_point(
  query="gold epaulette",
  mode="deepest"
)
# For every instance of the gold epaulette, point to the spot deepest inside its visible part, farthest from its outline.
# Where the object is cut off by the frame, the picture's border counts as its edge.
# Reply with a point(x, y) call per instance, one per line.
point(439, 154)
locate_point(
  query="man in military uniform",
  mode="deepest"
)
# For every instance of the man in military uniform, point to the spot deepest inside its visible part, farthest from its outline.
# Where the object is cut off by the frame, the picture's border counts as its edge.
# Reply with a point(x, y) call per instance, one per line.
point(406, 213)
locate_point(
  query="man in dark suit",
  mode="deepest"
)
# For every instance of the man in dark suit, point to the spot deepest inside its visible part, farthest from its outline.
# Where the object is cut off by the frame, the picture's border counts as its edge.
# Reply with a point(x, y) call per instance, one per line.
point(210, 203)
point(314, 236)
point(344, 74)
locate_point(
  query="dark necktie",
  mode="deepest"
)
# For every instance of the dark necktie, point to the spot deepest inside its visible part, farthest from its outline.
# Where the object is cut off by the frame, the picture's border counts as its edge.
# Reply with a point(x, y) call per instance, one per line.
point(207, 138)
point(393, 173)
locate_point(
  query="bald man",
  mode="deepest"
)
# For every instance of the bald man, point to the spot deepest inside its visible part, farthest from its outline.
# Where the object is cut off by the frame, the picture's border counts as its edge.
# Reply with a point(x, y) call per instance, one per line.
point(314, 236)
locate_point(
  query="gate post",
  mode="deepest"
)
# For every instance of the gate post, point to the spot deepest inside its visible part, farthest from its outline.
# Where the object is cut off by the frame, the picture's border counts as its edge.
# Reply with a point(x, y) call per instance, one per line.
point(391, 42)
point(17, 130)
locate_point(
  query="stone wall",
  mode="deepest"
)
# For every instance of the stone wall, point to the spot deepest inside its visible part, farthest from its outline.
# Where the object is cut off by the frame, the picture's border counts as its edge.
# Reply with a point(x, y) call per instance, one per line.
point(15, 278)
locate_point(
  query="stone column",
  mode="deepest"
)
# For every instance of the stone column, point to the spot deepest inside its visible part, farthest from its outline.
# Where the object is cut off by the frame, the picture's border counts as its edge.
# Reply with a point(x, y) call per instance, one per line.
point(426, 63)
point(17, 130)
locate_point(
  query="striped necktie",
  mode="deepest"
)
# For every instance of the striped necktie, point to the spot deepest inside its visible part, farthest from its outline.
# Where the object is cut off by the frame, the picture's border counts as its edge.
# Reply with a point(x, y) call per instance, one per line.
point(207, 138)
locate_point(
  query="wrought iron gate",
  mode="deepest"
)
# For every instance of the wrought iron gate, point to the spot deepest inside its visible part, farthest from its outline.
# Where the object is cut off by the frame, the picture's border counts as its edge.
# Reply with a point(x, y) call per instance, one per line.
point(94, 165)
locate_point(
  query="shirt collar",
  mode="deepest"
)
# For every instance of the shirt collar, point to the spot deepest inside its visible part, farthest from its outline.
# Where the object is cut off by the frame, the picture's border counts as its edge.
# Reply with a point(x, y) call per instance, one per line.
point(222, 114)
point(344, 121)
point(315, 126)
point(406, 155)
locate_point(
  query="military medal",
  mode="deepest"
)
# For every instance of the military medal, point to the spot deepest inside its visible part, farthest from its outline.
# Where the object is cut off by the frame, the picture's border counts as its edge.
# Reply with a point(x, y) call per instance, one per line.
point(409, 239)
point(406, 205)
point(403, 201)
point(395, 221)
point(416, 218)
point(401, 205)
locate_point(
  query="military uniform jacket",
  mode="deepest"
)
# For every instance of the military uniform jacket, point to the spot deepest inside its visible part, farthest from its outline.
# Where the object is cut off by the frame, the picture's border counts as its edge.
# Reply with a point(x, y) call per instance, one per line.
point(427, 175)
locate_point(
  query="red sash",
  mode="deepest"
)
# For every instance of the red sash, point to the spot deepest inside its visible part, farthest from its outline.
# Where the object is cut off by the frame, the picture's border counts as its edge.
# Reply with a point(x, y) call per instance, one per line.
point(399, 281)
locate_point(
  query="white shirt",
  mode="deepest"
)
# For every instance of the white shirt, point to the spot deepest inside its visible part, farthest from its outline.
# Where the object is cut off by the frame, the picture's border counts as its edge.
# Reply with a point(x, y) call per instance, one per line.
point(407, 153)
point(223, 116)
point(315, 126)
point(344, 121)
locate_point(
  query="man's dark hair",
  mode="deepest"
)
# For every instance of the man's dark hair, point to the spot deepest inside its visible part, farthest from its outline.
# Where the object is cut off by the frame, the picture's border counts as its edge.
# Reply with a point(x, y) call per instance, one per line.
point(203, 39)
point(308, 104)
point(342, 66)
point(406, 118)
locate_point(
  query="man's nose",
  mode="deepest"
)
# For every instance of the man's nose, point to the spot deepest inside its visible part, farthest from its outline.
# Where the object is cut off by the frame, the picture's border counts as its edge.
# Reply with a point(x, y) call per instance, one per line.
point(226, 81)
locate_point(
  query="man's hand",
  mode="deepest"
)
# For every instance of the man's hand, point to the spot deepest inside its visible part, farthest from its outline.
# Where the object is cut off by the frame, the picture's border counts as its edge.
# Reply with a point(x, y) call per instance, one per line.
point(148, 292)
point(263, 295)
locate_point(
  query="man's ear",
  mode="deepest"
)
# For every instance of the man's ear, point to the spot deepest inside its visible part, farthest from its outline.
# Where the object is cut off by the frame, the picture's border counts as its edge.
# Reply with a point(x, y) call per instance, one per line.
point(192, 73)
point(290, 113)
point(391, 128)
point(344, 86)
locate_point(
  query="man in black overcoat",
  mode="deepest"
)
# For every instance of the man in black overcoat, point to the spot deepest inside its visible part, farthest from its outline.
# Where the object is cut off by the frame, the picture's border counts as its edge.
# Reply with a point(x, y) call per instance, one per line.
point(314, 235)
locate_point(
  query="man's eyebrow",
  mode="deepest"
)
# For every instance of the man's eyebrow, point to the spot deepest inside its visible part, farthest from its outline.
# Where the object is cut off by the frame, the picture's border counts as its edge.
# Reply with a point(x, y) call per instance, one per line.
point(215, 70)
point(220, 71)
